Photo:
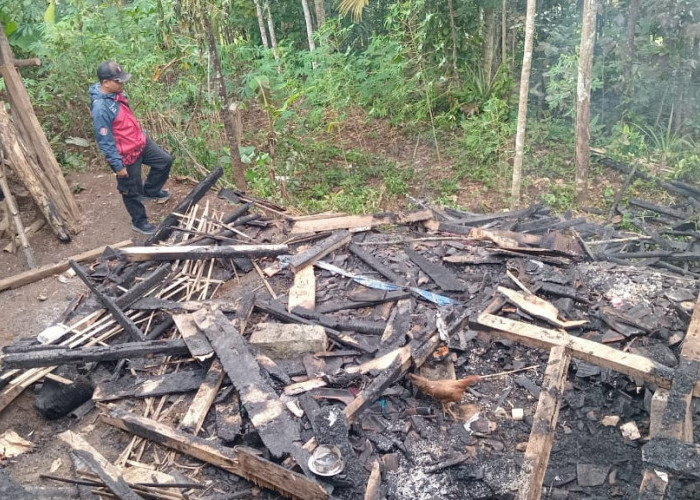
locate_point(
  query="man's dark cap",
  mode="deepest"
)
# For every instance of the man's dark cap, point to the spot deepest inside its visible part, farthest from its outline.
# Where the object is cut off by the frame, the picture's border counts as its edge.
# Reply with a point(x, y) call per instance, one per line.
point(109, 70)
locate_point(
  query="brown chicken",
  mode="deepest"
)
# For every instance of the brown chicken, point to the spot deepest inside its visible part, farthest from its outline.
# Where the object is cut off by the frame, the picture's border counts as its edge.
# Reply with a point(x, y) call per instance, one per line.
point(445, 391)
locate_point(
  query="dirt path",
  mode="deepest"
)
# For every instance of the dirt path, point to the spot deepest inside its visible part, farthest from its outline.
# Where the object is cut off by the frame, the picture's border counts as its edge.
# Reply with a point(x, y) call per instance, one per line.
point(29, 309)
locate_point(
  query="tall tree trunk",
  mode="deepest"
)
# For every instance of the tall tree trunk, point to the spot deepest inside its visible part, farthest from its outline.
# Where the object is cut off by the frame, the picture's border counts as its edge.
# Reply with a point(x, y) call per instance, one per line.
point(271, 29)
point(522, 104)
point(261, 23)
point(453, 31)
point(489, 45)
point(320, 13)
point(504, 33)
point(628, 58)
point(232, 134)
point(309, 28)
point(583, 99)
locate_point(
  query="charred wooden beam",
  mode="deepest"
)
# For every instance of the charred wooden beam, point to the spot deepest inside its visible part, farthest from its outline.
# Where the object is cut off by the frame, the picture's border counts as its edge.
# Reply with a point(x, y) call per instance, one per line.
point(67, 356)
point(443, 277)
point(357, 325)
point(157, 385)
point(378, 266)
point(164, 229)
point(268, 414)
point(138, 291)
point(199, 252)
point(633, 365)
point(330, 307)
point(320, 250)
point(653, 207)
point(122, 319)
point(544, 425)
point(241, 461)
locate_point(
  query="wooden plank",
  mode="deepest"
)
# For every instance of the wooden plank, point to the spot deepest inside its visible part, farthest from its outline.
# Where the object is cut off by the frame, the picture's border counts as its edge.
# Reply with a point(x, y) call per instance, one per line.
point(196, 341)
point(42, 272)
point(198, 252)
point(443, 277)
point(155, 278)
point(197, 412)
point(544, 424)
point(630, 364)
point(65, 356)
point(156, 385)
point(538, 307)
point(319, 250)
point(378, 266)
point(242, 461)
point(275, 425)
point(303, 291)
point(399, 322)
point(335, 223)
point(107, 472)
point(108, 302)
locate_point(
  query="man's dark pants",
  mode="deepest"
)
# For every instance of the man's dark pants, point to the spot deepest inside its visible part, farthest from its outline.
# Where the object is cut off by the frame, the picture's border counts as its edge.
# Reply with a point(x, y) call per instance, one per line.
point(133, 189)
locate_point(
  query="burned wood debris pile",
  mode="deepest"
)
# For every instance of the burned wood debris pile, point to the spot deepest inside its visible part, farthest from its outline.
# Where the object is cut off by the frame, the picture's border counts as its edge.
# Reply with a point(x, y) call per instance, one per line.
point(383, 356)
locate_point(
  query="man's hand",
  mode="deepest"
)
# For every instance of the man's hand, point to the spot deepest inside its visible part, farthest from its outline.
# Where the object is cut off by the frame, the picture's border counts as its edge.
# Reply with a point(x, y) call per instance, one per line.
point(122, 173)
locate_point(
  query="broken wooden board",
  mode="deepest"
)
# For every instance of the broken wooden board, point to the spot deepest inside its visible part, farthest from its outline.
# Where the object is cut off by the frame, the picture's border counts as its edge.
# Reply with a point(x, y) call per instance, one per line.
point(319, 250)
point(108, 473)
point(197, 412)
point(443, 277)
point(378, 266)
point(198, 252)
point(303, 291)
point(510, 240)
point(156, 385)
point(351, 222)
point(270, 417)
point(537, 307)
point(242, 461)
point(633, 365)
point(399, 322)
point(544, 425)
point(65, 356)
point(196, 341)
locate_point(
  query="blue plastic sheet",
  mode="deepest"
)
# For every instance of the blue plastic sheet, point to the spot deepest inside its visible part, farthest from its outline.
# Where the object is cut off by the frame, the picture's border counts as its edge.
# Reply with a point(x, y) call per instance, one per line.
point(435, 298)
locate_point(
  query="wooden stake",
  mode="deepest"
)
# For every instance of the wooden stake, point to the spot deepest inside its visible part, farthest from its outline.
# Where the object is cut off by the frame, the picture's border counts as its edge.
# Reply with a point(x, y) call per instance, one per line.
point(14, 212)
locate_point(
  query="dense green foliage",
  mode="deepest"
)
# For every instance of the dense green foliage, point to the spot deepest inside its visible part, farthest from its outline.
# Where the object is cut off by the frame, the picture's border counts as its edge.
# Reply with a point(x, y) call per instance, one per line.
point(394, 65)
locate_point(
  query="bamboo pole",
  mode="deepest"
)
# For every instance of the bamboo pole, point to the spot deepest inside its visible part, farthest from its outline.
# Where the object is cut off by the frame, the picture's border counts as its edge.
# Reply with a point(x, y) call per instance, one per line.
point(14, 213)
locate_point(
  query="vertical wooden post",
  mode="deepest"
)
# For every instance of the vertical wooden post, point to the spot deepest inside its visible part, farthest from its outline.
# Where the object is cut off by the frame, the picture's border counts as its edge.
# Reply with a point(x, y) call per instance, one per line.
point(544, 424)
point(14, 213)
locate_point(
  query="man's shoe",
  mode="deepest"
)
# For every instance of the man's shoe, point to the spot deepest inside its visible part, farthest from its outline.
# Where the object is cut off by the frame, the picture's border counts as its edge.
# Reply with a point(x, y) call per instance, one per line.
point(144, 228)
point(161, 197)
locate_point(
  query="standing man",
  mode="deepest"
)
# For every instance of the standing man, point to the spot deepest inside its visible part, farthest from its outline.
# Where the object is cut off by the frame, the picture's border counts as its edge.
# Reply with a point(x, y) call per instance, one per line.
point(126, 147)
